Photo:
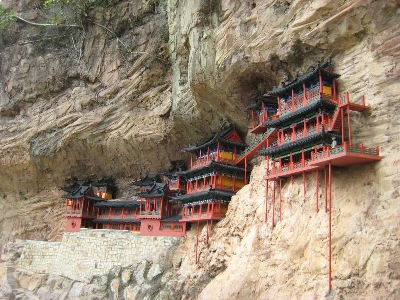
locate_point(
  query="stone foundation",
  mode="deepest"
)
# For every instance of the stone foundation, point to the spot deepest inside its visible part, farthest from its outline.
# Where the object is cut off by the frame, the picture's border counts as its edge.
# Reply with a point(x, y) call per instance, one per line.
point(82, 255)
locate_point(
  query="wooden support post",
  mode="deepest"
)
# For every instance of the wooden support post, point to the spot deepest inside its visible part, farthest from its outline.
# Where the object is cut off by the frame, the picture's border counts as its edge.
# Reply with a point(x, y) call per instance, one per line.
point(273, 204)
point(316, 190)
point(292, 99)
point(280, 199)
point(304, 183)
point(325, 190)
point(197, 242)
point(330, 230)
point(207, 234)
point(349, 126)
point(266, 200)
point(342, 116)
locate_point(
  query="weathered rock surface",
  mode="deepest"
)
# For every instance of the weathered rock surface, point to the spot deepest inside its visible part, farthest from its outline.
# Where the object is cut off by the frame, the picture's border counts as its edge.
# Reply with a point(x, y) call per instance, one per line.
point(91, 108)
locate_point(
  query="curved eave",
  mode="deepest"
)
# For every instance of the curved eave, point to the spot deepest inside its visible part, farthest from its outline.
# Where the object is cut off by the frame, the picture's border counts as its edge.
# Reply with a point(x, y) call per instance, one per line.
point(117, 221)
point(214, 141)
point(118, 204)
point(204, 195)
point(214, 166)
point(95, 198)
point(266, 99)
point(298, 144)
point(299, 82)
point(288, 118)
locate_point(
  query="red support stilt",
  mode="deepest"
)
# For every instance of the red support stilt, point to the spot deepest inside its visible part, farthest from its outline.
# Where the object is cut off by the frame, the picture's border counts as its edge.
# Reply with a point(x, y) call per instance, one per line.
point(325, 191)
point(280, 199)
point(342, 116)
point(273, 204)
point(349, 126)
point(316, 191)
point(330, 230)
point(266, 201)
point(197, 242)
point(304, 183)
point(207, 234)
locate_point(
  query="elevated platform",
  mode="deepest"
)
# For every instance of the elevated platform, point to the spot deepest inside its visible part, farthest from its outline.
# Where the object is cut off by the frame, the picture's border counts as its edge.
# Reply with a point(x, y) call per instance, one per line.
point(344, 156)
point(341, 156)
point(290, 171)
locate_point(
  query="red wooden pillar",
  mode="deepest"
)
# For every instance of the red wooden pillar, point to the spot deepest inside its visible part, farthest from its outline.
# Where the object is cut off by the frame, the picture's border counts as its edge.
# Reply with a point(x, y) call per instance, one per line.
point(293, 132)
point(317, 192)
point(266, 201)
point(330, 230)
point(342, 116)
point(292, 99)
point(280, 199)
point(197, 242)
point(273, 203)
point(349, 126)
point(207, 234)
point(325, 189)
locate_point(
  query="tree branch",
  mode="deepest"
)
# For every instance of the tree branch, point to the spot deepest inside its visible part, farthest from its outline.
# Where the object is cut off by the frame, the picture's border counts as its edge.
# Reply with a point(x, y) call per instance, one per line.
point(47, 24)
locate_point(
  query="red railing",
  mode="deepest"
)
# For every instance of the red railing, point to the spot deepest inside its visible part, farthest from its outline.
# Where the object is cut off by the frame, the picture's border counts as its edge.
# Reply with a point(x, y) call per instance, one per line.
point(361, 149)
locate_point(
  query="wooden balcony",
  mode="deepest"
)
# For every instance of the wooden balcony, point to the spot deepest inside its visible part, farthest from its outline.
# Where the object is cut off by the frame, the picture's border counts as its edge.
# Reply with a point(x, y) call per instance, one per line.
point(149, 214)
point(340, 156)
point(79, 214)
point(346, 155)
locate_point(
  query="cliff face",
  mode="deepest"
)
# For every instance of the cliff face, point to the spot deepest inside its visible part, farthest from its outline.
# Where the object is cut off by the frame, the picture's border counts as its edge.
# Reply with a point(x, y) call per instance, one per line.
point(77, 103)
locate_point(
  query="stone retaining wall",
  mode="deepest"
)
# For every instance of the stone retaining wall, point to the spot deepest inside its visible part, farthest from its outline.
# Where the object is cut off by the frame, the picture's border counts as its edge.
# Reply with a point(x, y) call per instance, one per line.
point(82, 255)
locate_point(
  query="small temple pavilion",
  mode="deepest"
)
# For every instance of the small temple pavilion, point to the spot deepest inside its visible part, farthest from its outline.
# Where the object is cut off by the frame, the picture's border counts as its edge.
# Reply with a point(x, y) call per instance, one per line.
point(81, 197)
point(118, 214)
point(159, 216)
point(212, 179)
point(304, 127)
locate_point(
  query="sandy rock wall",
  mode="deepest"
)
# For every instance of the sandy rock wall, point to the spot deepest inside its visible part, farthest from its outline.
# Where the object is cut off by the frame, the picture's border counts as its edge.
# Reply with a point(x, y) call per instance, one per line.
point(124, 115)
